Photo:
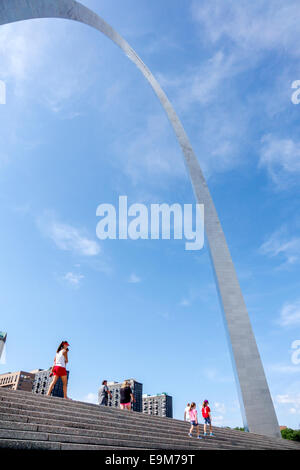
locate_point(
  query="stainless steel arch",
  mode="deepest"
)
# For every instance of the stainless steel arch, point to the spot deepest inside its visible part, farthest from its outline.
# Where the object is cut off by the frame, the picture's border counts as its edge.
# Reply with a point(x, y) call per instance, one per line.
point(255, 399)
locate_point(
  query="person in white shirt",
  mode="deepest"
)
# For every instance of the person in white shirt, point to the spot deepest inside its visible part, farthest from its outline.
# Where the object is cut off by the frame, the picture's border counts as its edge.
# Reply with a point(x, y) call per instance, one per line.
point(59, 369)
point(186, 416)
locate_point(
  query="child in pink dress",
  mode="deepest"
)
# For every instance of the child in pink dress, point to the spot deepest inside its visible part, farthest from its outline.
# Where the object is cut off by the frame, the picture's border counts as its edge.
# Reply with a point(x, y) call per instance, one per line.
point(194, 420)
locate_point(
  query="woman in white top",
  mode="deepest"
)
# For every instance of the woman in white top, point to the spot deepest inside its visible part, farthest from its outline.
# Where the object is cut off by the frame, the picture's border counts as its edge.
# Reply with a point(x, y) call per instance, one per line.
point(59, 368)
point(187, 412)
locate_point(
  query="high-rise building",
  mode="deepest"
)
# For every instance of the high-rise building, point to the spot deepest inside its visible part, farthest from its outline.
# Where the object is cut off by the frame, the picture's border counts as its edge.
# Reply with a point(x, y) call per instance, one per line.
point(42, 381)
point(17, 380)
point(137, 390)
point(2, 341)
point(158, 405)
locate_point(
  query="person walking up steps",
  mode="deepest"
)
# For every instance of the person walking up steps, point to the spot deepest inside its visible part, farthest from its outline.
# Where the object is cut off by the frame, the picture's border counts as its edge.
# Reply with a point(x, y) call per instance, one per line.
point(207, 417)
point(59, 368)
point(186, 416)
point(194, 420)
point(126, 396)
point(103, 393)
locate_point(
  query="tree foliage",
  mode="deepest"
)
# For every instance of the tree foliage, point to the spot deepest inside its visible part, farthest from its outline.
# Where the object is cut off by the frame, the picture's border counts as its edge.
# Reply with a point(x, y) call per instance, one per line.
point(291, 434)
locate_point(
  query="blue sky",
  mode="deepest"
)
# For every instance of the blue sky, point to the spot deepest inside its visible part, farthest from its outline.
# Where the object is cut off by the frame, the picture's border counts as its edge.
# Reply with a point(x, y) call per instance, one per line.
point(81, 126)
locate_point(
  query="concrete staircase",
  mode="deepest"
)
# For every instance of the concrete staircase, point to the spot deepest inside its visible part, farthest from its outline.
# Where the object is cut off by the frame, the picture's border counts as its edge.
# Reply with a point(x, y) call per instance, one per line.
point(29, 421)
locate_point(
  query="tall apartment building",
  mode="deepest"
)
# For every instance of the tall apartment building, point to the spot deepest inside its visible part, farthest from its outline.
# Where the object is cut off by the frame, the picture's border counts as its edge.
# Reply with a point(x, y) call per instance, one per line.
point(17, 380)
point(158, 405)
point(42, 381)
point(2, 341)
point(137, 390)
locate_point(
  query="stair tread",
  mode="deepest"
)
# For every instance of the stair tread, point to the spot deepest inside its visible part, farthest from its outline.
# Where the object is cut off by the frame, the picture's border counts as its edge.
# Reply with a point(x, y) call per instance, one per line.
point(35, 421)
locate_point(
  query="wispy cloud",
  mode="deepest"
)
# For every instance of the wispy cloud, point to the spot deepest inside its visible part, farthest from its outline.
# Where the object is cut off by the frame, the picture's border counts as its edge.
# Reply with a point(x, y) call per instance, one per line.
point(31, 50)
point(203, 293)
point(151, 152)
point(281, 158)
point(66, 237)
point(134, 279)
point(290, 314)
point(202, 83)
point(239, 36)
point(280, 244)
point(293, 401)
point(220, 407)
point(69, 238)
point(252, 26)
point(282, 368)
point(73, 278)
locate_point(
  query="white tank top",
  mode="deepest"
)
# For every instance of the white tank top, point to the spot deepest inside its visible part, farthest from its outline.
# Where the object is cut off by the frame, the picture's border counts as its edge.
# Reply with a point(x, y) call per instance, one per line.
point(60, 359)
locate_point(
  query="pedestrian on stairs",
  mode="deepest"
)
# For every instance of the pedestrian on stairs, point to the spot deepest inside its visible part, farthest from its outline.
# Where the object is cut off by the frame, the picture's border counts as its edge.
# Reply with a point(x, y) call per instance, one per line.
point(207, 417)
point(186, 415)
point(103, 394)
point(126, 396)
point(59, 367)
point(194, 420)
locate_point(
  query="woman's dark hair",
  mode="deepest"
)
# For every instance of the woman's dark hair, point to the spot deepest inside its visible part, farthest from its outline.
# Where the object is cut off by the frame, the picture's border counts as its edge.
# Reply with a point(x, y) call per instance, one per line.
point(61, 346)
point(104, 382)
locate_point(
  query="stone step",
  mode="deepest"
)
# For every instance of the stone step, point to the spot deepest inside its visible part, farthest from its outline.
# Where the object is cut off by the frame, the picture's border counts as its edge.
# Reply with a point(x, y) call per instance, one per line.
point(64, 404)
point(112, 435)
point(39, 423)
point(39, 419)
point(9, 410)
point(128, 428)
point(237, 437)
point(35, 398)
point(121, 442)
point(45, 445)
point(209, 441)
point(24, 396)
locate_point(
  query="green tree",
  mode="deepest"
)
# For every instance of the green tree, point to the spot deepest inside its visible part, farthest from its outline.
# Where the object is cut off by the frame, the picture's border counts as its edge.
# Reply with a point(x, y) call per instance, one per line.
point(291, 434)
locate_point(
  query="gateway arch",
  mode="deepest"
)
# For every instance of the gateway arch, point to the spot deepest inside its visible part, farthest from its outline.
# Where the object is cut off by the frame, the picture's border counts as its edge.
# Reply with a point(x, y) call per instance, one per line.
point(255, 400)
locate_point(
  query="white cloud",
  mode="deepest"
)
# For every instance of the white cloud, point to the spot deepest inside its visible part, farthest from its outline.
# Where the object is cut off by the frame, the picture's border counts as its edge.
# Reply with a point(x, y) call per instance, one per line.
point(134, 279)
point(293, 400)
point(239, 35)
point(290, 314)
point(91, 398)
point(281, 158)
point(279, 244)
point(67, 237)
point(220, 407)
point(203, 83)
point(218, 420)
point(252, 26)
point(205, 95)
point(194, 294)
point(22, 47)
point(284, 369)
point(151, 153)
point(36, 58)
point(73, 278)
